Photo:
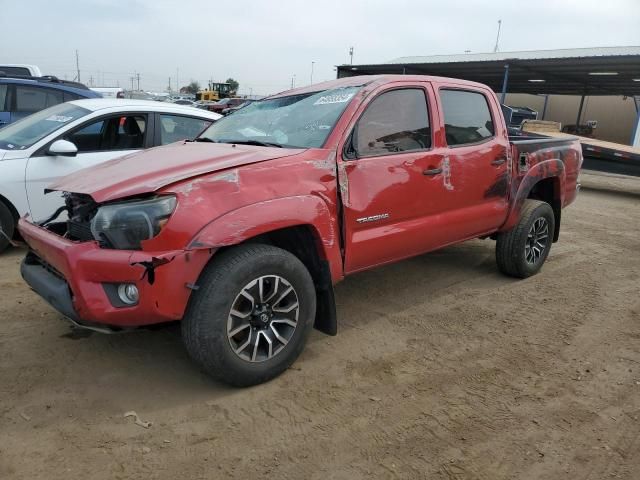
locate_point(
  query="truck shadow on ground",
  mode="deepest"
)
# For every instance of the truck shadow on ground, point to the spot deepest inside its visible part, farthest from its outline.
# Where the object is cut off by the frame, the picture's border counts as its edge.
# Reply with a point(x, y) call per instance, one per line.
point(152, 367)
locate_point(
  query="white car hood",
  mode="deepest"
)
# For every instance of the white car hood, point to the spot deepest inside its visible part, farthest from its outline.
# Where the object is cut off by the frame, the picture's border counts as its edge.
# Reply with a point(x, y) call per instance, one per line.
point(13, 154)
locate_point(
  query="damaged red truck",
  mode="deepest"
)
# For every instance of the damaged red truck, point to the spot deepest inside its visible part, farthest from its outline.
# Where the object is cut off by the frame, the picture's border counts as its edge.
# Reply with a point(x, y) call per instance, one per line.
point(242, 233)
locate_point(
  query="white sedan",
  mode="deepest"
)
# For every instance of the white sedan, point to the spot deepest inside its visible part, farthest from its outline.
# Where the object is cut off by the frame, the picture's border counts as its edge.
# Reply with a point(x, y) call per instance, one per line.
point(70, 136)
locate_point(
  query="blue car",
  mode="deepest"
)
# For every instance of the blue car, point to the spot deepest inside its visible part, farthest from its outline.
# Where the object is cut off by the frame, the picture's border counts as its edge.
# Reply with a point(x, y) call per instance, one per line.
point(22, 96)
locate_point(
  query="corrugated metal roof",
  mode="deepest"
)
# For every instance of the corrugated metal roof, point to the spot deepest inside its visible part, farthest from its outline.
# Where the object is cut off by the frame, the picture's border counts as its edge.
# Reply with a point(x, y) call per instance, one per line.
point(525, 55)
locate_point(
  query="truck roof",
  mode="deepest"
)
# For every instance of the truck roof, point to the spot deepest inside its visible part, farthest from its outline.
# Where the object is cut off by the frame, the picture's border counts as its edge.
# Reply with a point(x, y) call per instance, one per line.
point(361, 80)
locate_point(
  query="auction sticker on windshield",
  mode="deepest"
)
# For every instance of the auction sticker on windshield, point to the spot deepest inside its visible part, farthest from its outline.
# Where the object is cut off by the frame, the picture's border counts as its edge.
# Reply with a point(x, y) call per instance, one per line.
point(337, 98)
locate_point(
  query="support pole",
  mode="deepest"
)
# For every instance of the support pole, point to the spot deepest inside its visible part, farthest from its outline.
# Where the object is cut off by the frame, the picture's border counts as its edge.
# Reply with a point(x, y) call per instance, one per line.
point(544, 109)
point(505, 82)
point(635, 134)
point(579, 112)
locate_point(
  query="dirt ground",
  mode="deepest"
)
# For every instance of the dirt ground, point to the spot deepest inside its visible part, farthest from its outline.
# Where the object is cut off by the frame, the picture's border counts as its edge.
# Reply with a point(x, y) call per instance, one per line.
point(442, 368)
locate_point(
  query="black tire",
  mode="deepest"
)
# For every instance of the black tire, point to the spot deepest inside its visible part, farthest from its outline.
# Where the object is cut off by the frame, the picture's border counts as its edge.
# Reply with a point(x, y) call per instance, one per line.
point(7, 225)
point(205, 325)
point(514, 254)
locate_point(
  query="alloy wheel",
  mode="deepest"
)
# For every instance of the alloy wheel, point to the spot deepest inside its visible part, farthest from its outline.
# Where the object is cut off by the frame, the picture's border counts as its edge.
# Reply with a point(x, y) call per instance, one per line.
point(537, 240)
point(263, 318)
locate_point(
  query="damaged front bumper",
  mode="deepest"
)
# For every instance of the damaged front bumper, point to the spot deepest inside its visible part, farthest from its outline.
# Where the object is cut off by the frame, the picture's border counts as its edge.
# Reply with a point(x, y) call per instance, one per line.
point(79, 279)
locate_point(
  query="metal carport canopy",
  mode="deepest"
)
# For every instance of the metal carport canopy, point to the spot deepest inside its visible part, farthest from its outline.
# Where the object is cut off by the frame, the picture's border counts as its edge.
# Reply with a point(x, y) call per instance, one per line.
point(578, 71)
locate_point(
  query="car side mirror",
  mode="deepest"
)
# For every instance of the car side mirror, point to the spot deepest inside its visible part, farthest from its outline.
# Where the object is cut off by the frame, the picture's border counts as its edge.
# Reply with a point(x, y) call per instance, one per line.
point(63, 148)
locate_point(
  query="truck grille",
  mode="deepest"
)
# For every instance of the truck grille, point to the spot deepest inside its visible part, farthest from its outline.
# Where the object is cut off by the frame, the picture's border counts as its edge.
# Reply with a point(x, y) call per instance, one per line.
point(81, 209)
point(79, 231)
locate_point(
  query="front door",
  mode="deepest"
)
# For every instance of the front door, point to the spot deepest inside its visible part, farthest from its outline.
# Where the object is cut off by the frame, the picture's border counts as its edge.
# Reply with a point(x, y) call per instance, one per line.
point(391, 191)
point(98, 141)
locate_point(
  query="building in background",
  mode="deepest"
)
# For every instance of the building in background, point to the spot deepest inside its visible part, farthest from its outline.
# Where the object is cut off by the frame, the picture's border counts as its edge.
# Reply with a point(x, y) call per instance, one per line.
point(597, 84)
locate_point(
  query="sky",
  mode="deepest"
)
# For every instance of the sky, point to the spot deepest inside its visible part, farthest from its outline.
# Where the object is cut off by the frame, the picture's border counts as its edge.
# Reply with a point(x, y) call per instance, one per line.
point(267, 45)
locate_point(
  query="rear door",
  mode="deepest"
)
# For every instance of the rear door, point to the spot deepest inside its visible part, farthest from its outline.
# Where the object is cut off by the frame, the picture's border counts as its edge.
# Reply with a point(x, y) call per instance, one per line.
point(476, 163)
point(391, 199)
point(98, 140)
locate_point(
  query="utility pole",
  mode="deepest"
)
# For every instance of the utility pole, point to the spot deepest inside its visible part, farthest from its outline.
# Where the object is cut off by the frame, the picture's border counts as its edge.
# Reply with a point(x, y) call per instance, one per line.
point(293, 81)
point(132, 79)
point(169, 83)
point(495, 49)
point(312, 64)
point(91, 80)
point(177, 80)
point(351, 55)
point(138, 77)
point(78, 64)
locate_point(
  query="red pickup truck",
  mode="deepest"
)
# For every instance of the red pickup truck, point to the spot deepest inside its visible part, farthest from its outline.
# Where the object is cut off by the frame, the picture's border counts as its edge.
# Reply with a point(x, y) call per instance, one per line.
point(242, 233)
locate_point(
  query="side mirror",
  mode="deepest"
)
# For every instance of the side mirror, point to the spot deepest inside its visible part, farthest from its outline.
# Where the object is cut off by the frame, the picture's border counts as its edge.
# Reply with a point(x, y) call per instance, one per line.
point(63, 148)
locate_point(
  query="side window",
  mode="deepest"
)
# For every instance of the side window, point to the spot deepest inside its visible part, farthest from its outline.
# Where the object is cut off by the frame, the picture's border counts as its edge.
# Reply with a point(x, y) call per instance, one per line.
point(467, 118)
point(111, 134)
point(174, 128)
point(3, 98)
point(88, 138)
point(67, 97)
point(396, 121)
point(11, 71)
point(33, 99)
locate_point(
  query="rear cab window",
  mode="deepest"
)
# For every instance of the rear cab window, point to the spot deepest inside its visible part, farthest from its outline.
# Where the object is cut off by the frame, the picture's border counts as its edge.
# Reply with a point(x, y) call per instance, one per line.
point(174, 128)
point(3, 97)
point(34, 99)
point(467, 117)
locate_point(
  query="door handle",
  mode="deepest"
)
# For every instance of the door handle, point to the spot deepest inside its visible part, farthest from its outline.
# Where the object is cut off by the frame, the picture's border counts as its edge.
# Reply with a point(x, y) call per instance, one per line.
point(432, 171)
point(499, 161)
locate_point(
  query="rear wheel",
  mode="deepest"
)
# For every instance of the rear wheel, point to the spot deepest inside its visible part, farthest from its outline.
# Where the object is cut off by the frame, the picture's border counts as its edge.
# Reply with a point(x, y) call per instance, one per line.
point(251, 316)
point(522, 251)
point(7, 226)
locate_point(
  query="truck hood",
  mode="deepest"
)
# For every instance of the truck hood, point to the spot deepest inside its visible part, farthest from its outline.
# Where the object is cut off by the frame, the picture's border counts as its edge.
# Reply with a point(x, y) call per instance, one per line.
point(149, 170)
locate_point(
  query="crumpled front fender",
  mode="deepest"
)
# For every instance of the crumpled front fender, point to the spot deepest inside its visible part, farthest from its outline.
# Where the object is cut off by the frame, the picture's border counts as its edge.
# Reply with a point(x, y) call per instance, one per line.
point(256, 219)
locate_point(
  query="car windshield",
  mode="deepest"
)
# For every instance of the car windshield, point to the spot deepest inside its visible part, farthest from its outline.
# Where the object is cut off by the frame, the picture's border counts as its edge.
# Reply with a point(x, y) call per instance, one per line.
point(296, 121)
point(24, 133)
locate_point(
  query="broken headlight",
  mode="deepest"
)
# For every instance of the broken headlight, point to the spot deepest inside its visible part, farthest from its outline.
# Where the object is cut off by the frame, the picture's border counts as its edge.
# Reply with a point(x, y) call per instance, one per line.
point(124, 225)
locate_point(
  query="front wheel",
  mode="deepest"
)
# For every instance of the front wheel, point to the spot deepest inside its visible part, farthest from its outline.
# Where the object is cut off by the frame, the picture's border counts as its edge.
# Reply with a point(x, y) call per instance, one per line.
point(522, 251)
point(251, 316)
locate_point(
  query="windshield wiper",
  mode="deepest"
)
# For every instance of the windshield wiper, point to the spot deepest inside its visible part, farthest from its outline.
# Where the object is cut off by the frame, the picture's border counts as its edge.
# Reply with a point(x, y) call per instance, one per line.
point(203, 139)
point(254, 142)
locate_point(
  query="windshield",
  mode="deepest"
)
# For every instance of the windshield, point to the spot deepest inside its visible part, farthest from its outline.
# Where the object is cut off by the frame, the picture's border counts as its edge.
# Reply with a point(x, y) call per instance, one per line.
point(24, 133)
point(297, 121)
